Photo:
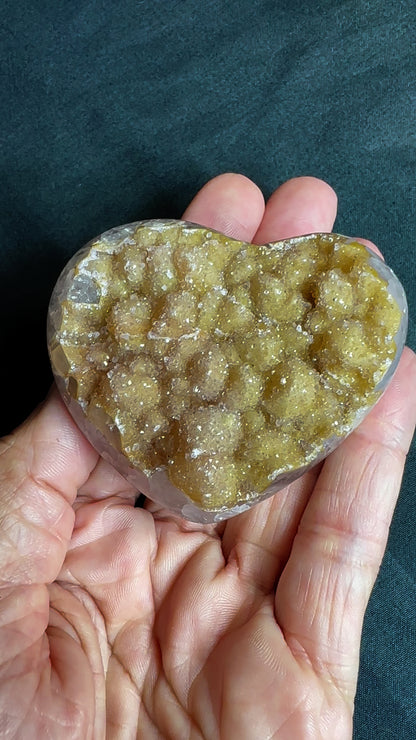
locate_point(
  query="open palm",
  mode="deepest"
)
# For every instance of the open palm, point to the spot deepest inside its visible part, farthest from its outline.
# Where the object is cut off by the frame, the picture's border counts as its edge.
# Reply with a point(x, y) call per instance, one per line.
point(126, 622)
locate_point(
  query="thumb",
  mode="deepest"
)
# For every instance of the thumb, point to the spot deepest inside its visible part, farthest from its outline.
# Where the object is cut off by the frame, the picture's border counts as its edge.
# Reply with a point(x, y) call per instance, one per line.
point(42, 465)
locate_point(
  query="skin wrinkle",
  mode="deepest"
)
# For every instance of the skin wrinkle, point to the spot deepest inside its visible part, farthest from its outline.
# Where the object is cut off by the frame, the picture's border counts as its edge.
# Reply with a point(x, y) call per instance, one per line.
point(121, 719)
point(80, 624)
point(326, 669)
point(291, 505)
point(213, 644)
point(21, 720)
point(330, 593)
point(238, 555)
point(68, 627)
point(5, 664)
point(45, 471)
point(57, 686)
point(265, 650)
point(84, 530)
point(158, 604)
point(148, 713)
point(338, 550)
point(396, 451)
point(211, 727)
point(40, 478)
point(147, 644)
point(305, 658)
point(177, 668)
point(7, 583)
point(369, 475)
point(218, 206)
point(126, 672)
point(122, 579)
point(83, 600)
point(231, 226)
point(369, 478)
point(298, 709)
point(306, 708)
point(152, 694)
point(29, 702)
point(53, 491)
point(150, 677)
point(176, 706)
point(41, 558)
point(16, 595)
point(40, 482)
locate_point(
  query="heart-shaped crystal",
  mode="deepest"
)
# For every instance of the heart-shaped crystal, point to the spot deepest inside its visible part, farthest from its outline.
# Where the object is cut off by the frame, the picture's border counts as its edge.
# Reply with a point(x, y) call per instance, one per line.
point(212, 372)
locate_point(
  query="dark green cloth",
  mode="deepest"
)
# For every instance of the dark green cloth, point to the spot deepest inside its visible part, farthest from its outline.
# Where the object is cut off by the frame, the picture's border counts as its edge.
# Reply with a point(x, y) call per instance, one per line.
point(113, 112)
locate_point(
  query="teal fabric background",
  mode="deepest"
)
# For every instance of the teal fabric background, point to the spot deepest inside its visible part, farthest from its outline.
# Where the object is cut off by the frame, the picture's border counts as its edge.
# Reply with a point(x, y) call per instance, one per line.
point(113, 112)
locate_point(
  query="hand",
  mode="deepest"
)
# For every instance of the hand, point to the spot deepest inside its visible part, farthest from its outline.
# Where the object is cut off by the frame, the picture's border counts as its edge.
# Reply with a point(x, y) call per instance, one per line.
point(126, 621)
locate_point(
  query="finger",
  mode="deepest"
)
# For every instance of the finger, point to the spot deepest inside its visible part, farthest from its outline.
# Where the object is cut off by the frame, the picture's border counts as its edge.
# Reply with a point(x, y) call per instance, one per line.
point(299, 206)
point(260, 539)
point(229, 203)
point(42, 465)
point(370, 245)
point(325, 587)
point(105, 483)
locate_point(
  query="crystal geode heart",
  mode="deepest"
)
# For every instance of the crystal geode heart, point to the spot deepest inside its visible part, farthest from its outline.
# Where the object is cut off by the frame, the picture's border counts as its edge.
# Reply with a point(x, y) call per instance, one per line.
point(212, 372)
